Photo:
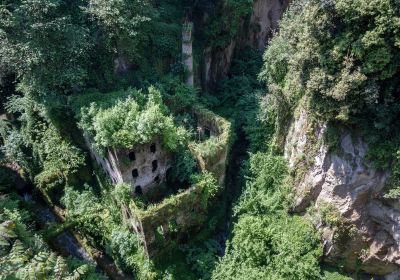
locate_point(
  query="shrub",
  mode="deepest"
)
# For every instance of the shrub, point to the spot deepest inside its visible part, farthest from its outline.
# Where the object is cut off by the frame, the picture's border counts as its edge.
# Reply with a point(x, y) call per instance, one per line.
point(184, 166)
point(126, 123)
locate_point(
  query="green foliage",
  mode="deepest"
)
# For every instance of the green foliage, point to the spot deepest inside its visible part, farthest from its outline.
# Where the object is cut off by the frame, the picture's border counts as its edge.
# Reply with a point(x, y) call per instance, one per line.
point(122, 193)
point(332, 138)
point(24, 255)
point(208, 185)
point(333, 71)
point(122, 24)
point(271, 247)
point(210, 151)
point(177, 96)
point(124, 246)
point(202, 259)
point(346, 69)
point(44, 43)
point(38, 146)
point(330, 215)
point(120, 18)
point(394, 193)
point(86, 211)
point(184, 166)
point(238, 98)
point(267, 242)
point(6, 232)
point(127, 124)
point(268, 187)
point(98, 217)
point(225, 24)
point(59, 157)
point(209, 148)
point(393, 187)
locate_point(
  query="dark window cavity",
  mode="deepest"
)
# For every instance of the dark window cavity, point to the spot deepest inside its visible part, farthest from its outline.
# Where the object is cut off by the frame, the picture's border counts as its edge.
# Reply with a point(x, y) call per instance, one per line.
point(135, 173)
point(132, 156)
point(157, 179)
point(138, 190)
point(207, 133)
point(153, 148)
point(154, 165)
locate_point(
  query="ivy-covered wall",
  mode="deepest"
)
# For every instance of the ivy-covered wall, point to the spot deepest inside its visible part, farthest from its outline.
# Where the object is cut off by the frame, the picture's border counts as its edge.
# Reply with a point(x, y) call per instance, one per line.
point(177, 216)
point(212, 153)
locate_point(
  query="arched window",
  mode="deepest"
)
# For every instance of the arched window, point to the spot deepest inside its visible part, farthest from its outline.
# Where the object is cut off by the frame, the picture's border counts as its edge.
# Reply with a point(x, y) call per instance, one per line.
point(153, 148)
point(135, 173)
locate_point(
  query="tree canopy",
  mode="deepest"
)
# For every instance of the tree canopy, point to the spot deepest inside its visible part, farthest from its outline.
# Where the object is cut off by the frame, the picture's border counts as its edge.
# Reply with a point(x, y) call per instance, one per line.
point(128, 123)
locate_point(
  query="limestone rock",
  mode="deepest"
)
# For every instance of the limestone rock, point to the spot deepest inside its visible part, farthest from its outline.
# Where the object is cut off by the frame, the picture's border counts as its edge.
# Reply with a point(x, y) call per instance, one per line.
point(347, 181)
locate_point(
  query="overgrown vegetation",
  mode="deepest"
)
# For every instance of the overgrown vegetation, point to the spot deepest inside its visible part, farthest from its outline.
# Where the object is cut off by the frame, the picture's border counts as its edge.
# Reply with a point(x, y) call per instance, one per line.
point(130, 122)
point(99, 218)
point(38, 145)
point(267, 242)
point(342, 58)
point(115, 65)
point(23, 252)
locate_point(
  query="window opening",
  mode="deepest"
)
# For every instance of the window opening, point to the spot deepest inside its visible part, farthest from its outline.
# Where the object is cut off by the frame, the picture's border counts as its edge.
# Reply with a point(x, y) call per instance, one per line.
point(154, 165)
point(132, 156)
point(138, 190)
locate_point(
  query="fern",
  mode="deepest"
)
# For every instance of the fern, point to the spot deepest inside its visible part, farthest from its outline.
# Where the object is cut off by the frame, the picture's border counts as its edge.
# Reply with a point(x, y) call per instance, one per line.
point(79, 272)
point(6, 232)
point(60, 268)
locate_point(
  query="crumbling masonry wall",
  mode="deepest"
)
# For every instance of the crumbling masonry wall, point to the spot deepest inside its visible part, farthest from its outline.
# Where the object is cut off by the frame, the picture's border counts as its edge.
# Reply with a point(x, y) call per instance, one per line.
point(177, 216)
point(187, 51)
point(212, 159)
point(143, 167)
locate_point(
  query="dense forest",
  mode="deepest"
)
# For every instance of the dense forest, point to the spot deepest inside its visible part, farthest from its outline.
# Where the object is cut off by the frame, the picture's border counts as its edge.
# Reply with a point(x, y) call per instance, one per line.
point(200, 139)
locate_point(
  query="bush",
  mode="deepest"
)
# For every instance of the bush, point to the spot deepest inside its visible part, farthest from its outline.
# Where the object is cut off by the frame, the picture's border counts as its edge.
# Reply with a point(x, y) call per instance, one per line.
point(208, 185)
point(184, 166)
point(267, 242)
point(271, 247)
point(202, 259)
point(25, 255)
point(346, 70)
point(126, 123)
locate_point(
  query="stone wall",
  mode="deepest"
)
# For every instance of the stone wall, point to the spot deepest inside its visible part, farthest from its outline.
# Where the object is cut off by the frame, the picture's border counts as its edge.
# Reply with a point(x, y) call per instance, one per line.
point(220, 132)
point(143, 167)
point(179, 215)
point(104, 161)
point(172, 219)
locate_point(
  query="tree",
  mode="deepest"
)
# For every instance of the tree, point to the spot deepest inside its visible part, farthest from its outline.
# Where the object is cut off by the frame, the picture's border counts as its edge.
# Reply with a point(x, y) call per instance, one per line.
point(342, 55)
point(123, 22)
point(267, 242)
point(44, 44)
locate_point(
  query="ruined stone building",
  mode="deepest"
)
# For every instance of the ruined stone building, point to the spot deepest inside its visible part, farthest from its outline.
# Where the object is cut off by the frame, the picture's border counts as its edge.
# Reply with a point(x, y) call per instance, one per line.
point(143, 166)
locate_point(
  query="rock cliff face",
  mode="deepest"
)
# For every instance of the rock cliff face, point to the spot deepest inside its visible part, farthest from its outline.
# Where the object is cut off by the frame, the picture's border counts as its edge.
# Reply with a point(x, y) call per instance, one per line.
point(255, 33)
point(368, 236)
point(264, 21)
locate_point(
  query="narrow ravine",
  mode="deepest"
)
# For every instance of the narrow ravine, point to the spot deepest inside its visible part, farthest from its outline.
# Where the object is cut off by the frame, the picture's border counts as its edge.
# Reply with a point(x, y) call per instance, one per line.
point(70, 243)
